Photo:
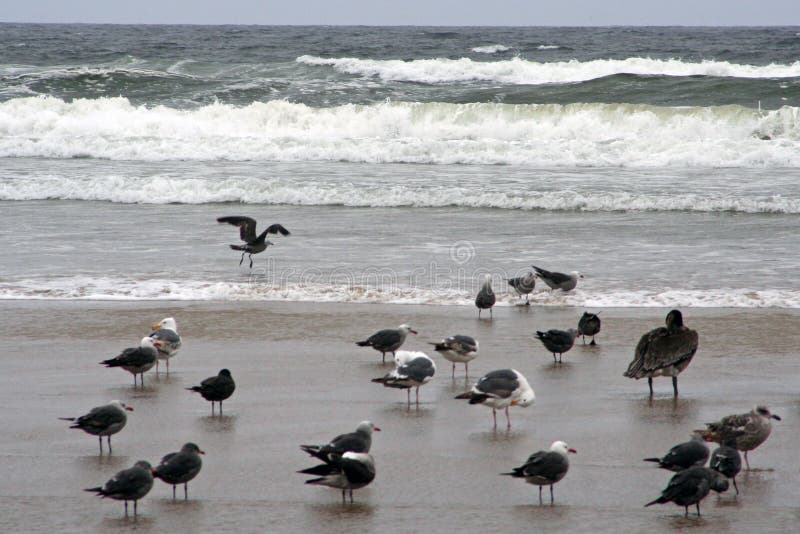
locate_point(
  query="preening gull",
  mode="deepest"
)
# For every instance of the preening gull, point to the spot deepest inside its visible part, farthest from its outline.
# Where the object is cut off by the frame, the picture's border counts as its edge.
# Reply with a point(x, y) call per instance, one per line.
point(358, 441)
point(351, 471)
point(664, 352)
point(486, 297)
point(247, 232)
point(102, 421)
point(500, 390)
point(726, 459)
point(684, 455)
point(128, 485)
point(166, 333)
point(545, 468)
point(216, 388)
point(180, 467)
point(564, 282)
point(388, 340)
point(523, 285)
point(755, 427)
point(137, 360)
point(458, 348)
point(690, 486)
point(557, 341)
point(589, 325)
point(412, 370)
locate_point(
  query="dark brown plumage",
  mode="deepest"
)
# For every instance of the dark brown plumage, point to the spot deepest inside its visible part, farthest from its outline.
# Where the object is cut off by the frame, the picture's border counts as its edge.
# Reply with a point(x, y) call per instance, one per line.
point(216, 388)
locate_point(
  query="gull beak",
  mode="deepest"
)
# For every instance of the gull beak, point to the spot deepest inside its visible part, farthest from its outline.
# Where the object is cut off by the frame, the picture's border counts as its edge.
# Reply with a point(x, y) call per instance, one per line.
point(376, 429)
point(413, 332)
point(776, 417)
point(129, 408)
point(156, 343)
point(156, 326)
point(202, 452)
point(573, 451)
point(514, 403)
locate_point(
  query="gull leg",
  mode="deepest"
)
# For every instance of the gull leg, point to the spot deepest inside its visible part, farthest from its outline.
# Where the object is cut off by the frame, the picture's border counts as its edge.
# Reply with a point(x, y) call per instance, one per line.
point(108, 438)
point(698, 508)
point(746, 461)
point(454, 370)
point(592, 343)
point(686, 508)
point(735, 486)
point(135, 502)
point(351, 496)
point(173, 492)
point(126, 508)
point(220, 408)
point(251, 260)
point(408, 392)
point(344, 496)
point(551, 494)
point(508, 420)
point(383, 355)
point(650, 383)
point(185, 490)
point(167, 366)
point(559, 357)
point(466, 369)
point(675, 385)
point(241, 260)
point(212, 408)
point(584, 339)
point(540, 495)
point(100, 439)
point(554, 358)
point(494, 416)
point(417, 396)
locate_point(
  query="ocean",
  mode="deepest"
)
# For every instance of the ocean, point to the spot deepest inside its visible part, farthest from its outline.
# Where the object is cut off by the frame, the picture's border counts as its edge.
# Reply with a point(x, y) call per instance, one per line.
point(407, 162)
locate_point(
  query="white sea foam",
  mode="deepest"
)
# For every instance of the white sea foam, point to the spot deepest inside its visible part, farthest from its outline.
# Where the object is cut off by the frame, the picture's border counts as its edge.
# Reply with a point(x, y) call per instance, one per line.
point(490, 49)
point(525, 72)
point(548, 47)
point(81, 288)
point(591, 135)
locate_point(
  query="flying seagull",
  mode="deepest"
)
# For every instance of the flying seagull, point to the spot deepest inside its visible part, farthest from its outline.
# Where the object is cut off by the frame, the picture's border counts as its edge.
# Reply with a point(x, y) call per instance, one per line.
point(545, 468)
point(351, 471)
point(690, 486)
point(102, 421)
point(486, 297)
point(523, 285)
point(664, 352)
point(180, 467)
point(136, 360)
point(169, 342)
point(589, 325)
point(557, 341)
point(358, 441)
point(500, 390)
point(388, 340)
point(216, 388)
point(412, 370)
point(458, 348)
point(755, 427)
point(128, 485)
point(247, 232)
point(554, 280)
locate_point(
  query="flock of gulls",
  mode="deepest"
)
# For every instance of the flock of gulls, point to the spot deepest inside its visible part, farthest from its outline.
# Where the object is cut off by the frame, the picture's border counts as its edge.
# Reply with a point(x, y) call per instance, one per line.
point(345, 461)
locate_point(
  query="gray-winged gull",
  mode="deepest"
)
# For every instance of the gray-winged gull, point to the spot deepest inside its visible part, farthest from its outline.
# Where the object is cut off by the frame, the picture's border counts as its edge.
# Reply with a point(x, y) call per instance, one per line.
point(166, 333)
point(545, 468)
point(557, 341)
point(101, 421)
point(726, 459)
point(458, 348)
point(358, 441)
point(180, 467)
point(247, 232)
point(387, 340)
point(136, 360)
point(486, 297)
point(523, 285)
point(589, 325)
point(216, 388)
point(351, 471)
point(554, 280)
point(412, 370)
point(499, 390)
point(128, 485)
point(684, 455)
point(690, 486)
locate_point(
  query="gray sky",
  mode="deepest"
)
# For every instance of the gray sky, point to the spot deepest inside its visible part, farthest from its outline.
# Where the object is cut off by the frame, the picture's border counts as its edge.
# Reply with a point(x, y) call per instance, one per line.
point(411, 12)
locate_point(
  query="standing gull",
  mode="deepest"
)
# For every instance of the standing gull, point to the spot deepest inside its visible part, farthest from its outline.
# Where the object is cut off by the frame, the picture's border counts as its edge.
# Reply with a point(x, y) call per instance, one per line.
point(755, 427)
point(545, 468)
point(102, 421)
point(137, 360)
point(690, 486)
point(523, 285)
point(353, 470)
point(358, 441)
point(180, 467)
point(500, 390)
point(486, 297)
point(684, 455)
point(169, 342)
point(388, 340)
point(412, 369)
point(247, 232)
point(216, 388)
point(557, 341)
point(564, 282)
point(589, 325)
point(664, 352)
point(458, 348)
point(128, 485)
point(726, 459)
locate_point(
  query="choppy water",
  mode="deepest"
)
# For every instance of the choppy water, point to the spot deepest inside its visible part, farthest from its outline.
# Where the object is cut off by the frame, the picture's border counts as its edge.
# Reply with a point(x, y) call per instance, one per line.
point(662, 162)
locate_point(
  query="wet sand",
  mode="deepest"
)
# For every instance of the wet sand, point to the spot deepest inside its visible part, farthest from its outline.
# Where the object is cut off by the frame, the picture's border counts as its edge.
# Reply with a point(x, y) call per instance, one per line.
point(300, 379)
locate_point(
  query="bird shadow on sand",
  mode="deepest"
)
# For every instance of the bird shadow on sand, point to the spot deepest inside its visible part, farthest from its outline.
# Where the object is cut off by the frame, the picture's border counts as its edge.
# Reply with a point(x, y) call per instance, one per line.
point(217, 423)
point(556, 370)
point(179, 505)
point(91, 462)
point(460, 385)
point(423, 410)
point(149, 391)
point(337, 510)
point(544, 510)
point(130, 522)
point(666, 409)
point(499, 435)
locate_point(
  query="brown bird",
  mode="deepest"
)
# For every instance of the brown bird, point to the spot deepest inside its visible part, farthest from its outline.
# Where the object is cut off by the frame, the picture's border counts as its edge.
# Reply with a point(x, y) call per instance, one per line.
point(664, 352)
point(751, 429)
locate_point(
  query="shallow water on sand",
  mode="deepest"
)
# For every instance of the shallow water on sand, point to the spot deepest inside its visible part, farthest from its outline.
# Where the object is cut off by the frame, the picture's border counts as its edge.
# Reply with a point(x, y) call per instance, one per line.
point(300, 379)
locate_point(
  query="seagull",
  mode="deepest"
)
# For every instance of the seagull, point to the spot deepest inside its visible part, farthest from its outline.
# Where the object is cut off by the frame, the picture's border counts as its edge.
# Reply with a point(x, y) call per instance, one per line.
point(216, 388)
point(128, 485)
point(102, 421)
point(523, 285)
point(755, 426)
point(499, 390)
point(545, 468)
point(166, 333)
point(412, 369)
point(247, 232)
point(353, 470)
point(564, 282)
point(137, 360)
point(358, 441)
point(664, 352)
point(557, 341)
point(589, 325)
point(458, 348)
point(486, 297)
point(726, 459)
point(690, 486)
point(180, 467)
point(388, 340)
point(684, 455)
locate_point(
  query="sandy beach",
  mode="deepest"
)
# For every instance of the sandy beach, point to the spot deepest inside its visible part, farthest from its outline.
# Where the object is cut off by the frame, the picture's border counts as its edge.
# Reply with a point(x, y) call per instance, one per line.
point(300, 379)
